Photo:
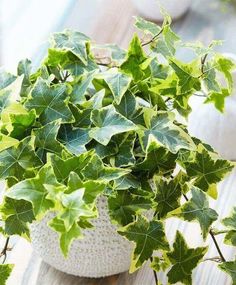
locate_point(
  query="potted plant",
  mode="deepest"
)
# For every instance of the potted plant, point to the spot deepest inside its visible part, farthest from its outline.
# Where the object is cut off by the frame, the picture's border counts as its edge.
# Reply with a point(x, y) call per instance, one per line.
point(151, 9)
point(95, 160)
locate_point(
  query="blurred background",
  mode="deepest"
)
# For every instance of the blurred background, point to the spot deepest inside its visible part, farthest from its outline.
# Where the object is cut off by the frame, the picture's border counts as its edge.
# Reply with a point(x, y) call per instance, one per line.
point(25, 26)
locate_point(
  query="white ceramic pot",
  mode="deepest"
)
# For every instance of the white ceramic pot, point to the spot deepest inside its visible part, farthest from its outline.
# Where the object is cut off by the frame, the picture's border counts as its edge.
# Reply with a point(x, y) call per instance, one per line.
point(151, 9)
point(102, 252)
point(215, 128)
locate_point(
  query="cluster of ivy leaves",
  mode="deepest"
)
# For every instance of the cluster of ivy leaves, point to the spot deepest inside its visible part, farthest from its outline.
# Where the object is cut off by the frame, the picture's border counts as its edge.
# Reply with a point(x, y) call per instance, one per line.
point(79, 127)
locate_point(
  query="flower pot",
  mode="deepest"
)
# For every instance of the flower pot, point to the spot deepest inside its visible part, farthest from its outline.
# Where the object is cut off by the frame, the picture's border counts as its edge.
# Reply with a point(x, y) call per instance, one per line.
point(151, 9)
point(213, 127)
point(102, 252)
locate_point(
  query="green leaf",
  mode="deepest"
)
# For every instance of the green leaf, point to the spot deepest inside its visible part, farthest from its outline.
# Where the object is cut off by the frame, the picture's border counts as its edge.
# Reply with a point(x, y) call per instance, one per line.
point(230, 223)
point(157, 160)
point(75, 207)
point(218, 98)
point(127, 106)
point(148, 236)
point(124, 156)
point(96, 101)
point(82, 117)
point(92, 188)
point(126, 182)
point(104, 151)
point(33, 190)
point(49, 102)
point(146, 26)
point(135, 57)
point(78, 68)
point(66, 237)
point(206, 170)
point(7, 142)
point(72, 41)
point(197, 208)
point(123, 206)
point(79, 88)
point(5, 272)
point(161, 128)
point(24, 67)
point(158, 70)
point(95, 170)
point(225, 66)
point(118, 83)
point(56, 59)
point(184, 260)
point(4, 99)
point(45, 139)
point(167, 45)
point(160, 264)
point(6, 78)
point(55, 64)
point(166, 86)
point(169, 87)
point(210, 78)
point(74, 139)
point(17, 214)
point(163, 39)
point(160, 47)
point(17, 121)
point(114, 52)
point(108, 123)
point(11, 90)
point(167, 195)
point(18, 160)
point(229, 267)
point(63, 167)
point(130, 109)
point(42, 72)
point(201, 50)
point(230, 238)
point(188, 74)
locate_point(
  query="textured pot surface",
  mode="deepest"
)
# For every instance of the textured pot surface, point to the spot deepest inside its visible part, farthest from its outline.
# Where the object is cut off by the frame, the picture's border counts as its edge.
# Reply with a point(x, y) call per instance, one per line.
point(151, 8)
point(102, 252)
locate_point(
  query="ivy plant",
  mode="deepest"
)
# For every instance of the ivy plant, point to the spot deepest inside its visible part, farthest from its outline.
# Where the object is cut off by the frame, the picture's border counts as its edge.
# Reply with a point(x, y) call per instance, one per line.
point(81, 126)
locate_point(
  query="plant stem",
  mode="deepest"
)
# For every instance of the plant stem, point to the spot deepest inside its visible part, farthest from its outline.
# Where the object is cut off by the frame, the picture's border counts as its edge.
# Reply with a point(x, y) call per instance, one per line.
point(200, 95)
point(215, 259)
point(111, 64)
point(185, 197)
point(155, 277)
point(152, 39)
point(216, 245)
point(4, 251)
point(154, 273)
point(66, 76)
point(213, 238)
point(203, 60)
point(216, 232)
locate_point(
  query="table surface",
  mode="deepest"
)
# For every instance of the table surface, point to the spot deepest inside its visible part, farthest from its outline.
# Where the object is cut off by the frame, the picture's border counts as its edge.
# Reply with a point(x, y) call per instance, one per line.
point(205, 21)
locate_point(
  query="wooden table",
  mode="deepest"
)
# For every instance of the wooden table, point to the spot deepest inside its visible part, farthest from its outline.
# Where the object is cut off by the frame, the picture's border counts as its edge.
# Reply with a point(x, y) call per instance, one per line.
point(111, 21)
